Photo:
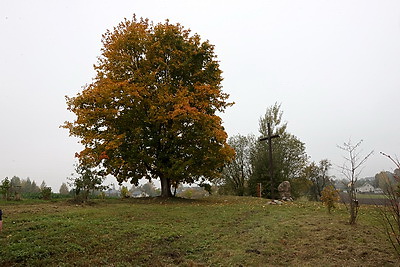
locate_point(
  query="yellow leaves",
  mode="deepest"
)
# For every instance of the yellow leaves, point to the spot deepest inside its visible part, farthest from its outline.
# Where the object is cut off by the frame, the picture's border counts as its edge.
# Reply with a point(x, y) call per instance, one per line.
point(115, 142)
point(329, 196)
point(182, 107)
point(151, 108)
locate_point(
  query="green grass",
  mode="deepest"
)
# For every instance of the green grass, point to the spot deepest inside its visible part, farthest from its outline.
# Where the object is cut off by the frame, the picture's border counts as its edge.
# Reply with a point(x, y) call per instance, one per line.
point(217, 231)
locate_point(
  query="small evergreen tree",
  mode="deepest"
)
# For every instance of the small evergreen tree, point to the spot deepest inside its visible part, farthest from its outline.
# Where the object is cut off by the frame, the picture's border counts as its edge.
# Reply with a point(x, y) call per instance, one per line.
point(64, 189)
point(43, 185)
point(46, 193)
point(5, 188)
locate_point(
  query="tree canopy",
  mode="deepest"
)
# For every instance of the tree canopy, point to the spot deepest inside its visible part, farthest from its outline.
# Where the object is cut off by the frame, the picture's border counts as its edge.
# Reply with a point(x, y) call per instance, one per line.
point(64, 189)
point(86, 180)
point(251, 164)
point(151, 109)
point(288, 153)
point(319, 176)
point(237, 172)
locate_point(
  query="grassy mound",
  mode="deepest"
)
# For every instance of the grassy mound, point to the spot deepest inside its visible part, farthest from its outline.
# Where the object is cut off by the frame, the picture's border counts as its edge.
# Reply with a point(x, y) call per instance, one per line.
point(217, 231)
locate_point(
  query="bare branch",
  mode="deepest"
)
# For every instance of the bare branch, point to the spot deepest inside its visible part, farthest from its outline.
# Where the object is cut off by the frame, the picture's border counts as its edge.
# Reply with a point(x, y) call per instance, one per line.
point(396, 162)
point(351, 170)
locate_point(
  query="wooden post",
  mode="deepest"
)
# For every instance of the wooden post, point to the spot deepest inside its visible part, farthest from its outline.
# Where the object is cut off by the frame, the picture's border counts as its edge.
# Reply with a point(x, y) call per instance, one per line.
point(271, 166)
point(259, 189)
point(1, 220)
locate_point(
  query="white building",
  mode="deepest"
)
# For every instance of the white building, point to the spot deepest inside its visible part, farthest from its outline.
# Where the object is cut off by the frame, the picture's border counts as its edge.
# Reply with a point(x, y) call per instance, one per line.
point(366, 188)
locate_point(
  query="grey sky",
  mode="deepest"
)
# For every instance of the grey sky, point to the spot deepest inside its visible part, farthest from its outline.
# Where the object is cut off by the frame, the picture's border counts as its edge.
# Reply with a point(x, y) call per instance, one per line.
point(334, 66)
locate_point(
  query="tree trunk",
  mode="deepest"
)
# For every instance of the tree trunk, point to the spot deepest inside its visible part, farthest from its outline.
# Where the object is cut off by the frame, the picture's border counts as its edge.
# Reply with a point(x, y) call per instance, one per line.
point(353, 204)
point(165, 187)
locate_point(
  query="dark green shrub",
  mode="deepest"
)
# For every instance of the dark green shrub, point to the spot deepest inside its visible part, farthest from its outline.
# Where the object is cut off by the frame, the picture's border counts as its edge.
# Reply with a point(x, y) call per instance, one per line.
point(46, 193)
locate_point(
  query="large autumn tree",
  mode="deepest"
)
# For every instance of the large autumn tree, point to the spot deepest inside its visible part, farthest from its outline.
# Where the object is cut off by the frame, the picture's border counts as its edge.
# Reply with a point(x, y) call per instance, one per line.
point(150, 112)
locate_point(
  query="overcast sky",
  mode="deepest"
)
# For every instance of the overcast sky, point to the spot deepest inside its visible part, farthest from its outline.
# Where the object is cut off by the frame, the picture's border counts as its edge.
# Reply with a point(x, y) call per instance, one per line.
point(334, 66)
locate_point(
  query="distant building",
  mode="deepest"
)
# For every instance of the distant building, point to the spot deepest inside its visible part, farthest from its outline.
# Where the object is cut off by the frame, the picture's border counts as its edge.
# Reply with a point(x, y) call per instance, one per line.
point(368, 188)
point(138, 193)
point(378, 191)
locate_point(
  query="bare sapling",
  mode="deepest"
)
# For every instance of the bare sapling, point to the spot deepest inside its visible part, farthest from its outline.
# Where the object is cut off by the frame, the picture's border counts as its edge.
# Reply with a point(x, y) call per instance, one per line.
point(351, 170)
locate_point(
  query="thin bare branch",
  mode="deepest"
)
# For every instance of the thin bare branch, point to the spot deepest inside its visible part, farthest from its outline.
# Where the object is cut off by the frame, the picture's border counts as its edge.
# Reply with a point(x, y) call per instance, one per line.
point(396, 162)
point(351, 170)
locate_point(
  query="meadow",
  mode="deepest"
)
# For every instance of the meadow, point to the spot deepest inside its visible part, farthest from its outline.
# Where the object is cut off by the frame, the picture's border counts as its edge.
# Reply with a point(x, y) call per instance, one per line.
point(214, 231)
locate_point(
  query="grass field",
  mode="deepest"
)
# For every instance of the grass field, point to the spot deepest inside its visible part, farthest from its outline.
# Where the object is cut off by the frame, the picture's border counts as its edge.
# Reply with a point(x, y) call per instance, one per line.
point(215, 231)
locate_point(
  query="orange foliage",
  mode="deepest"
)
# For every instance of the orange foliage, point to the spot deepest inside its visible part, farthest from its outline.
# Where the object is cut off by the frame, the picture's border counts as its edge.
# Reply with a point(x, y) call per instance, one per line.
point(151, 110)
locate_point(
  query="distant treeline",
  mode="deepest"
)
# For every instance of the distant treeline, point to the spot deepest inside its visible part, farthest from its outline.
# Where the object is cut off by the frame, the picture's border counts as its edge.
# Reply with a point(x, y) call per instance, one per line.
point(17, 188)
